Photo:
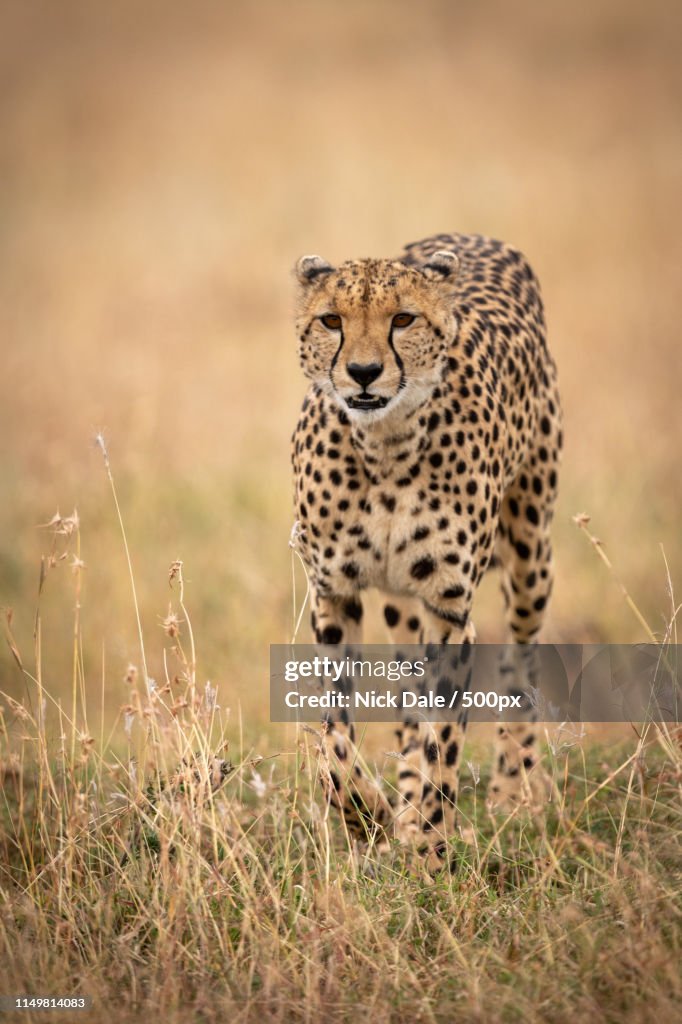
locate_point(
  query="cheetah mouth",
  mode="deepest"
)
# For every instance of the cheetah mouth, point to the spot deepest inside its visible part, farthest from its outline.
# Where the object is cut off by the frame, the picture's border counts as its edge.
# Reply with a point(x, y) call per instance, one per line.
point(367, 402)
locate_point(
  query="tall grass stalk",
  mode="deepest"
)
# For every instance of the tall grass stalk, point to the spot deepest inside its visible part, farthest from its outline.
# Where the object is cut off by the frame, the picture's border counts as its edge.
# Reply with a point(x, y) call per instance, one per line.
point(127, 876)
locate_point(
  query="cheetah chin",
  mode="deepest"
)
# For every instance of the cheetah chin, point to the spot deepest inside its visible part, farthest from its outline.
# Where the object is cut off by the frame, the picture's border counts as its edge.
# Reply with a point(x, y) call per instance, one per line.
point(389, 411)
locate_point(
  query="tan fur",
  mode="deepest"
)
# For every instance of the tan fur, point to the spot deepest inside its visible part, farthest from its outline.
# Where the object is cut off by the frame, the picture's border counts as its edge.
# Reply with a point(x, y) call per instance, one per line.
point(458, 461)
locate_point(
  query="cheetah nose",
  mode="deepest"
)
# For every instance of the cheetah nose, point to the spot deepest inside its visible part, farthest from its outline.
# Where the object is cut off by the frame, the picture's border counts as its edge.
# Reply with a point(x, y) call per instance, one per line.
point(364, 374)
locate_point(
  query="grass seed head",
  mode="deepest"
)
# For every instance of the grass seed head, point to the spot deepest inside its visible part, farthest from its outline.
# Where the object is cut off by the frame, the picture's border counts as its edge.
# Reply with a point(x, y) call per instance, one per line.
point(171, 624)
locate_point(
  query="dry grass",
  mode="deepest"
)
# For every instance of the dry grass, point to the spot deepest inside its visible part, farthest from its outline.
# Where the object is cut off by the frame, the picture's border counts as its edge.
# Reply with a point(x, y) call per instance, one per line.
point(127, 877)
point(252, 905)
point(162, 168)
point(250, 902)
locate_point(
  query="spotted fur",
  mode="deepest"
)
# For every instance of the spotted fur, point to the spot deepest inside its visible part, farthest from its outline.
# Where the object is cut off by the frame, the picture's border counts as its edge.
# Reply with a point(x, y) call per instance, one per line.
point(427, 451)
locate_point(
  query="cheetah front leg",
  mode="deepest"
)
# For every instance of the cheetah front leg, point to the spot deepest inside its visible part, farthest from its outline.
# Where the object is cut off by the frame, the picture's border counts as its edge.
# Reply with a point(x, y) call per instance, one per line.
point(428, 779)
point(405, 618)
point(364, 807)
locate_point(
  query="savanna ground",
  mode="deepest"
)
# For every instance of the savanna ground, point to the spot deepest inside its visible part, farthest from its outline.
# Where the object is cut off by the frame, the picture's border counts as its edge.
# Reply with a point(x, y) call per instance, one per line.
point(161, 171)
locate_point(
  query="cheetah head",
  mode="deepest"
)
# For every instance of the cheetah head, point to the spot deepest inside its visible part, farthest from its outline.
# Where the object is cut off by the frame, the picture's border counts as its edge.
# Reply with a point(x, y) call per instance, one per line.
point(373, 334)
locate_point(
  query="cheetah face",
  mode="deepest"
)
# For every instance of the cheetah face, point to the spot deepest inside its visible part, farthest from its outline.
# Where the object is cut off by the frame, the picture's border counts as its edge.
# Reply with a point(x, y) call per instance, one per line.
point(373, 334)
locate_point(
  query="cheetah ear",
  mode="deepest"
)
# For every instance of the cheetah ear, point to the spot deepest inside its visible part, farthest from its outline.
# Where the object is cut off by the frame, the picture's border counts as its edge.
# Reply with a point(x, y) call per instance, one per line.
point(443, 266)
point(309, 268)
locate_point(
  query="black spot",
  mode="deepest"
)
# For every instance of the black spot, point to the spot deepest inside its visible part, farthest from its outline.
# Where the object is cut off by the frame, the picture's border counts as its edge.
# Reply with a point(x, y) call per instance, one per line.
point(388, 501)
point(353, 609)
point(392, 615)
point(456, 591)
point(351, 570)
point(539, 603)
point(331, 635)
point(422, 568)
point(522, 550)
point(436, 459)
point(431, 751)
point(452, 752)
point(528, 762)
point(413, 623)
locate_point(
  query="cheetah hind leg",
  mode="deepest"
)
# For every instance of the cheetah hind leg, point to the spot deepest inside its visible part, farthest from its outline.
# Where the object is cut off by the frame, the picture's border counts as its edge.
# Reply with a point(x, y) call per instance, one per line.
point(524, 553)
point(518, 777)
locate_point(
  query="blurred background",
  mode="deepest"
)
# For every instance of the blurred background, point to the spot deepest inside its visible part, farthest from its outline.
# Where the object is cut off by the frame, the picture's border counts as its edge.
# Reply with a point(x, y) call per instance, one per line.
point(163, 165)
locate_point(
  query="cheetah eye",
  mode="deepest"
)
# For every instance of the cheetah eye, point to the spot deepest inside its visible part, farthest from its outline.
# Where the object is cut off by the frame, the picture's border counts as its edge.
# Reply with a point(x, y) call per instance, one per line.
point(331, 321)
point(403, 319)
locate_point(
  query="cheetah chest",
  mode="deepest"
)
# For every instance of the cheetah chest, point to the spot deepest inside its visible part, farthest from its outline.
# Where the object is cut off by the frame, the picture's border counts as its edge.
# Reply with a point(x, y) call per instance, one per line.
point(398, 538)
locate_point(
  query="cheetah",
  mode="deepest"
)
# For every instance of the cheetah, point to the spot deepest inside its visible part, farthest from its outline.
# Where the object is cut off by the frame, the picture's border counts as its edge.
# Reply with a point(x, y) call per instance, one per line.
point(427, 451)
